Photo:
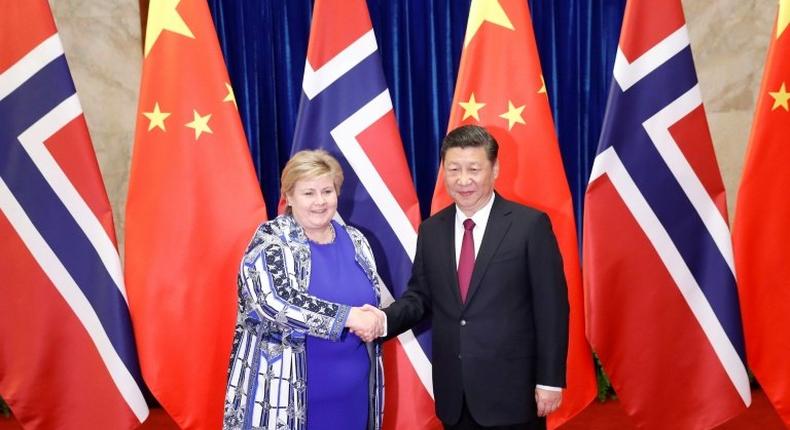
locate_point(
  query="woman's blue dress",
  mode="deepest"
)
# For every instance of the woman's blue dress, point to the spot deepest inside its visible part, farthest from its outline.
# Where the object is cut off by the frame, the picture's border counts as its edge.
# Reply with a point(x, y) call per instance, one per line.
point(337, 372)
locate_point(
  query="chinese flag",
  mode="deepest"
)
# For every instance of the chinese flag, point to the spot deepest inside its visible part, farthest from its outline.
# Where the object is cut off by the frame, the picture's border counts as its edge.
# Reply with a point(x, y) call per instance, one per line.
point(500, 86)
point(193, 205)
point(762, 227)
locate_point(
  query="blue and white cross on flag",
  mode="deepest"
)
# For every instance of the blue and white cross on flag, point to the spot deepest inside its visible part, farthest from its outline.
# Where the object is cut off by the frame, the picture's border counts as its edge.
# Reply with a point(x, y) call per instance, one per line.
point(67, 354)
point(662, 306)
point(346, 110)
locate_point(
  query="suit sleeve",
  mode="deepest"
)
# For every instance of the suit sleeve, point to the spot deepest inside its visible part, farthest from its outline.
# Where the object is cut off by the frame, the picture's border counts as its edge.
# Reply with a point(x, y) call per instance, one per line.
point(550, 301)
point(415, 303)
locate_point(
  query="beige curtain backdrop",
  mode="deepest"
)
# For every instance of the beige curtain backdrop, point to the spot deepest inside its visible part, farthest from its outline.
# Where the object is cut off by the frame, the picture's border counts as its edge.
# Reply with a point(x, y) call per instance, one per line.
point(103, 46)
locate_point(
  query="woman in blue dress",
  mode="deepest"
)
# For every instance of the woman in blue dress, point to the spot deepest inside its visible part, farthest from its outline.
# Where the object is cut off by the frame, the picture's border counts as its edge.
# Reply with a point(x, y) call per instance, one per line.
point(297, 362)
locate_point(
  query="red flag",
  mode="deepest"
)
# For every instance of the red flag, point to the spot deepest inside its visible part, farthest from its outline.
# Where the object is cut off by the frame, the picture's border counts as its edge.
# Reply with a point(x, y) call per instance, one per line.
point(762, 227)
point(503, 90)
point(193, 205)
point(67, 355)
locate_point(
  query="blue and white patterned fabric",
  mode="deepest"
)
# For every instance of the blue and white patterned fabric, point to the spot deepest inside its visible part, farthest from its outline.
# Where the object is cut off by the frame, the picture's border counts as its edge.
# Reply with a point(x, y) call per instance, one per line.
point(267, 386)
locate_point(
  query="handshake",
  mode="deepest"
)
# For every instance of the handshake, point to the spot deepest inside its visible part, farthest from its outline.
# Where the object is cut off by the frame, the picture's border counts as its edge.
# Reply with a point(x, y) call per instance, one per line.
point(367, 322)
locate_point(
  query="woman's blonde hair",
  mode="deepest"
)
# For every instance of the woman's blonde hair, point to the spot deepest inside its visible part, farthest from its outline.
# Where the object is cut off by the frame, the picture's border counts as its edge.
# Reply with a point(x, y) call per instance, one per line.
point(310, 164)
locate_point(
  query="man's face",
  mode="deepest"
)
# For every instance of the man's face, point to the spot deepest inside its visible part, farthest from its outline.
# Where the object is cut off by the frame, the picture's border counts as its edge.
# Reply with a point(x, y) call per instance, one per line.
point(469, 177)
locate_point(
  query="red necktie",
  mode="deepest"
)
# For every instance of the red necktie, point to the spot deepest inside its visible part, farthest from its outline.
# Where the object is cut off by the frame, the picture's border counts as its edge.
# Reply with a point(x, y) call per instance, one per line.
point(466, 262)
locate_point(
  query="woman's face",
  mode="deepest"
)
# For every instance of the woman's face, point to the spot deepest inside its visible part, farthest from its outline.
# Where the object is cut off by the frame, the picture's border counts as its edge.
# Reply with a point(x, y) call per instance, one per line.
point(313, 202)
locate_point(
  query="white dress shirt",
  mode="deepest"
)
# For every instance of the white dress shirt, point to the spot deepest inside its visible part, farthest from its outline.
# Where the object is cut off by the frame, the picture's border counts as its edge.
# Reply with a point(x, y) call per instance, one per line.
point(480, 219)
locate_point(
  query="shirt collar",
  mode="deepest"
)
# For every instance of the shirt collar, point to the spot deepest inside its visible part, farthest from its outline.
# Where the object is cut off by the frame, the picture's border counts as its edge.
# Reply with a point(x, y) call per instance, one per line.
point(480, 217)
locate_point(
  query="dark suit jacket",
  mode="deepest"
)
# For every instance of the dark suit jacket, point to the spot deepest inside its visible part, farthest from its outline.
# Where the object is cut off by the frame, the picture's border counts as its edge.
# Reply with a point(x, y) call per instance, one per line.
point(512, 331)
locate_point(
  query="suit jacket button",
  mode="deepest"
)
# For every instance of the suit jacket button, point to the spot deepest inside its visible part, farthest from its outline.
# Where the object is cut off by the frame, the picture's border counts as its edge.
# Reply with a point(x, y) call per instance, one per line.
point(463, 323)
point(459, 356)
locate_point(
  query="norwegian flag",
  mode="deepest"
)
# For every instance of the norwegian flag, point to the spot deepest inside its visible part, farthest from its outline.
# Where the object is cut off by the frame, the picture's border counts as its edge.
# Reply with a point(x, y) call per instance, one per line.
point(346, 109)
point(660, 288)
point(67, 354)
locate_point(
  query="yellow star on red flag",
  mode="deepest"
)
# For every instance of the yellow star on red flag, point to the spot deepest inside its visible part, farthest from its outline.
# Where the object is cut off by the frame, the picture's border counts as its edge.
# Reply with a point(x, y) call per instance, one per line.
point(783, 18)
point(513, 115)
point(156, 118)
point(162, 15)
point(199, 124)
point(231, 97)
point(780, 97)
point(472, 108)
point(481, 11)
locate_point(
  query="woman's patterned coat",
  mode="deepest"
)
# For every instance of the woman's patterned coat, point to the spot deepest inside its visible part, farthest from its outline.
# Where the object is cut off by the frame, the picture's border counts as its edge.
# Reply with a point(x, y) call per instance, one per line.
point(267, 388)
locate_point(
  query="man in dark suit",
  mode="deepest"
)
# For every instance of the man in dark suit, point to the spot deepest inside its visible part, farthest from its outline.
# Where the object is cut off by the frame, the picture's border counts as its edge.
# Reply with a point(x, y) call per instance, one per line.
point(489, 273)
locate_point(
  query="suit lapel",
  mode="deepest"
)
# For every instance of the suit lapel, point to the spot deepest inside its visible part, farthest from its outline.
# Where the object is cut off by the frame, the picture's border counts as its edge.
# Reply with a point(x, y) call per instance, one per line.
point(498, 225)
